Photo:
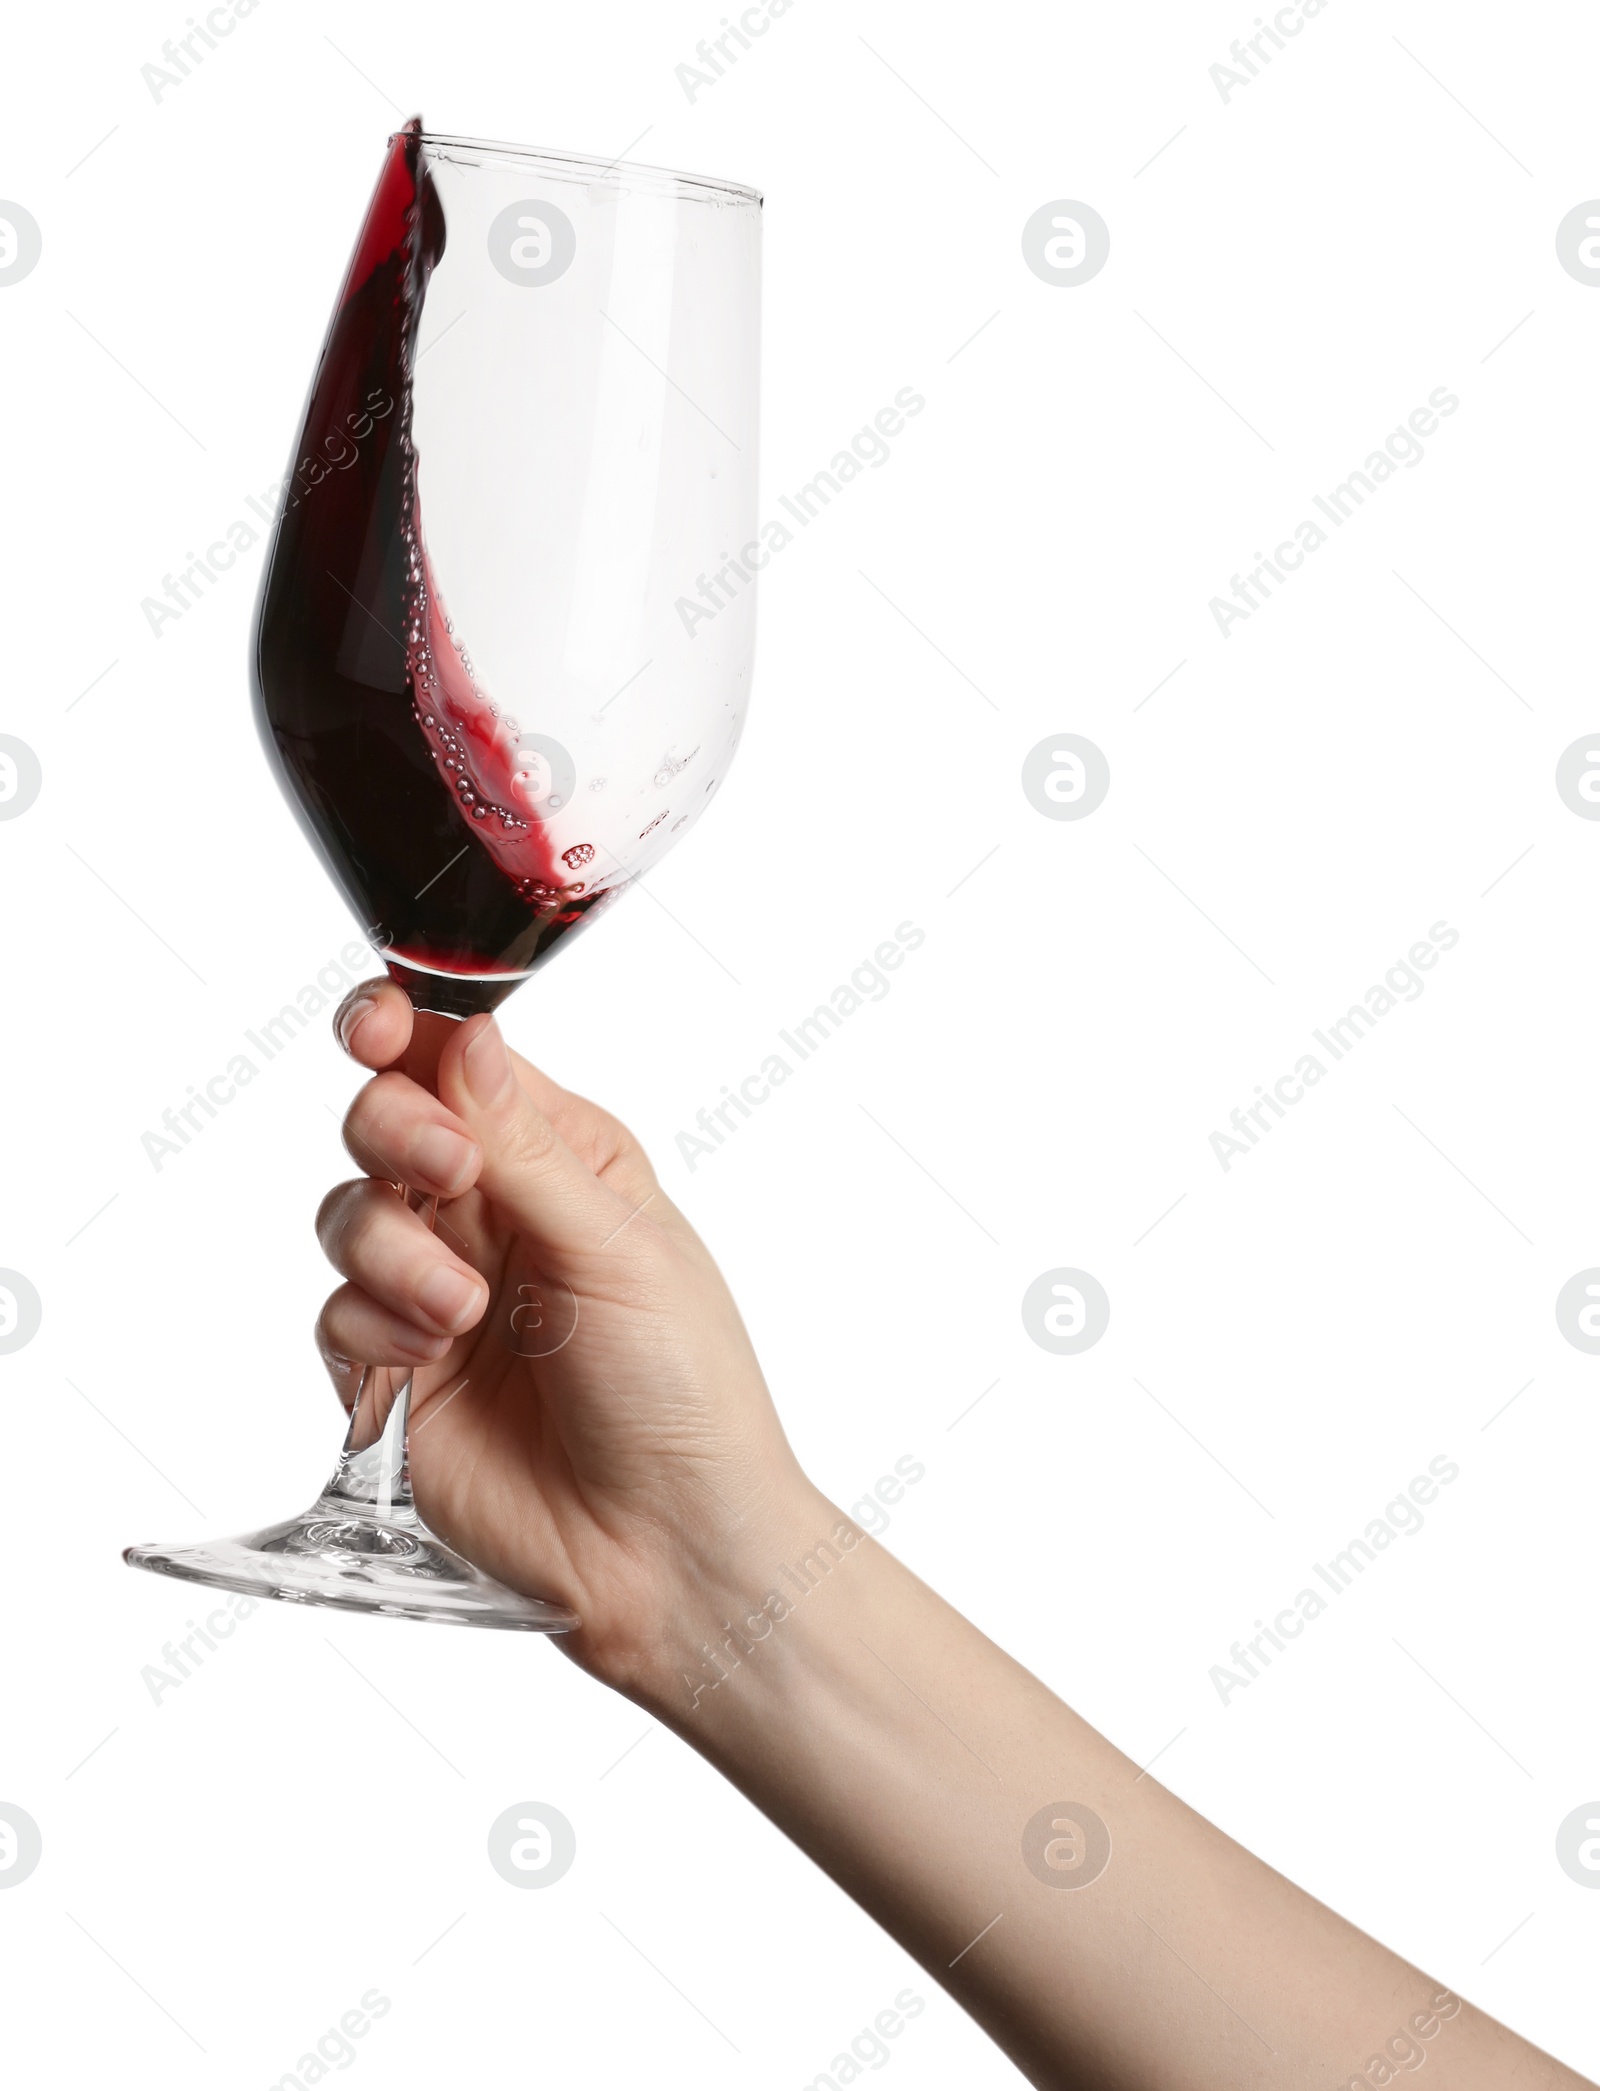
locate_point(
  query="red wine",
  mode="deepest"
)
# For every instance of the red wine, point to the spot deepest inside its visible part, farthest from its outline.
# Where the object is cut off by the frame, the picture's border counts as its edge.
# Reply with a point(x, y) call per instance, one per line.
point(411, 782)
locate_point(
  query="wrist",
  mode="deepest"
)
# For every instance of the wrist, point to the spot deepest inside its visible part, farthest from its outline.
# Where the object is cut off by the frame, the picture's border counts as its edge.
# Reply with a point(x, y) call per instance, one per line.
point(743, 1620)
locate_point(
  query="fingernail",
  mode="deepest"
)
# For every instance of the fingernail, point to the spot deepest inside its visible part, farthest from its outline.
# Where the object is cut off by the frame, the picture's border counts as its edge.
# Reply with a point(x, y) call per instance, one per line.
point(486, 1066)
point(426, 1349)
point(449, 1297)
point(351, 1016)
point(443, 1157)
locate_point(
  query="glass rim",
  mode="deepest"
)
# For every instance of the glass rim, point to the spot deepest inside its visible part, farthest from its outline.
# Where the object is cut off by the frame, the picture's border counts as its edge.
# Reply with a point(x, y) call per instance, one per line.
point(585, 166)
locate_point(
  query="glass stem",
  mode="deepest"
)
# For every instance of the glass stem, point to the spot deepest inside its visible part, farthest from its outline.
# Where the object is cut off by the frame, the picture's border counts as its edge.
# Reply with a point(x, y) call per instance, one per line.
point(372, 1474)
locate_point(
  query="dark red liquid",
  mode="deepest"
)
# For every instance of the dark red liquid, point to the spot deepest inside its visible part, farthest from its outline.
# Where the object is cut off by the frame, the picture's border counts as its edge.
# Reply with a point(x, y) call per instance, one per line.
point(401, 770)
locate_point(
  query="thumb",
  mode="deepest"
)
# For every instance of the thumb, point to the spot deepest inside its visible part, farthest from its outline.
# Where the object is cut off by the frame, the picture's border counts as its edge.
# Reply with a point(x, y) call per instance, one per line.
point(529, 1173)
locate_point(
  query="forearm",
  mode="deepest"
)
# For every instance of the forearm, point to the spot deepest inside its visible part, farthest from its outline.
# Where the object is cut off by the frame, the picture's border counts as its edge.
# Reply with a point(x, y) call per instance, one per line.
point(961, 1804)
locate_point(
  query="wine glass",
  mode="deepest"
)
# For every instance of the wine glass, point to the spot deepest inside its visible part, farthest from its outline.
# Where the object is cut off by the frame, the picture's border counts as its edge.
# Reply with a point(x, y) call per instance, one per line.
point(502, 652)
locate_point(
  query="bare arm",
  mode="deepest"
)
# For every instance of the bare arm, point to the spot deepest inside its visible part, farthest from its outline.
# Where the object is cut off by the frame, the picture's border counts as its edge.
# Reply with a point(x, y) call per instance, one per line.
point(1101, 1932)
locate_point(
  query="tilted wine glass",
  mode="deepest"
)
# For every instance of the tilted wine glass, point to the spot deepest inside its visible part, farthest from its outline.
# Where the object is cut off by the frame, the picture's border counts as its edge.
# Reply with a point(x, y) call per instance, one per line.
point(502, 650)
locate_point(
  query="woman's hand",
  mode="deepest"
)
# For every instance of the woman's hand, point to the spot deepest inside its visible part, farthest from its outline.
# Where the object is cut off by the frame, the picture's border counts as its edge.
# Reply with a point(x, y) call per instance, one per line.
point(588, 1422)
point(635, 1470)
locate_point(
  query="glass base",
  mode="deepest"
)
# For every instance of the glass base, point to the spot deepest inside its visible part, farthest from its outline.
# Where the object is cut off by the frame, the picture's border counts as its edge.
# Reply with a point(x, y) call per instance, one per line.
point(361, 1547)
point(353, 1561)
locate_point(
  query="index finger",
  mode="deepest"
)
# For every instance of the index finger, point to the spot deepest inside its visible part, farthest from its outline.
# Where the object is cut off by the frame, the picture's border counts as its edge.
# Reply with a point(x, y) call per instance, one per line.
point(378, 1028)
point(373, 1023)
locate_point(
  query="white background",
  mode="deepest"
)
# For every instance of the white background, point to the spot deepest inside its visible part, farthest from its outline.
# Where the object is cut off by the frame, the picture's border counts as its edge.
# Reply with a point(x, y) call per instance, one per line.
point(1300, 266)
